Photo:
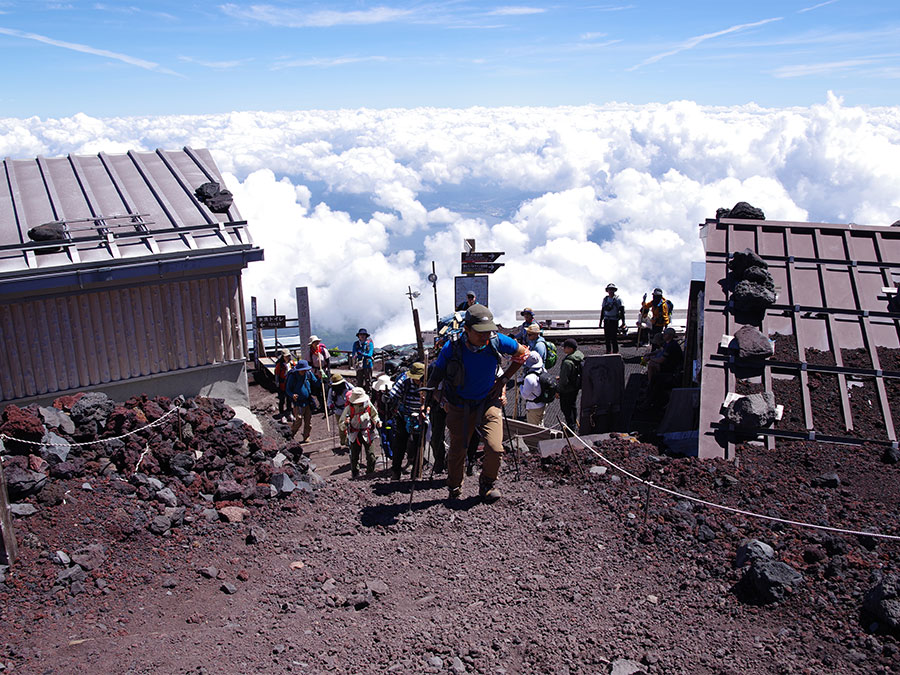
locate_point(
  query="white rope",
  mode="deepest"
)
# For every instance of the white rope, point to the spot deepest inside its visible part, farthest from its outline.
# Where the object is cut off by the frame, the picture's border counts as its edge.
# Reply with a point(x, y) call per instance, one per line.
point(750, 514)
point(101, 440)
point(536, 433)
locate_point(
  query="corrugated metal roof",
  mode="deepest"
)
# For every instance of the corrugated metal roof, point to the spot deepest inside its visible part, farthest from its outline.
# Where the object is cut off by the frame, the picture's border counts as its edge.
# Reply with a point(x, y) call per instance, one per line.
point(115, 208)
point(833, 283)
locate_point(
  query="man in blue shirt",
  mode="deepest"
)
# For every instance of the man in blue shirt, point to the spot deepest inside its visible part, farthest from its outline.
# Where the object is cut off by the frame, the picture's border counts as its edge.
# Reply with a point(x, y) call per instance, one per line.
point(472, 392)
point(300, 390)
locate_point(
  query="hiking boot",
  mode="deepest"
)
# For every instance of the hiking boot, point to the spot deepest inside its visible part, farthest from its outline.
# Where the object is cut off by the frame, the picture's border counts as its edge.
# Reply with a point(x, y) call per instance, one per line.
point(454, 493)
point(489, 492)
point(354, 473)
point(395, 475)
point(470, 468)
point(439, 466)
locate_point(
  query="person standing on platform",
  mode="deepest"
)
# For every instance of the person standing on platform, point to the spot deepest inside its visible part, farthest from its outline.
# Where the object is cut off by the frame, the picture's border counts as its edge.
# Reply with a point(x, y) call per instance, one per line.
point(658, 307)
point(612, 311)
point(570, 371)
point(363, 354)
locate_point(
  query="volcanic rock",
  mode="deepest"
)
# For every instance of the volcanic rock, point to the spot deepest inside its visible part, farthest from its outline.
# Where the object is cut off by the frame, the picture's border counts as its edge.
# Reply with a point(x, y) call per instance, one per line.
point(741, 210)
point(89, 557)
point(753, 344)
point(828, 480)
point(57, 419)
point(758, 275)
point(626, 667)
point(882, 603)
point(751, 297)
point(55, 449)
point(160, 525)
point(22, 483)
point(768, 581)
point(283, 484)
point(751, 550)
point(22, 510)
point(167, 497)
point(233, 514)
point(22, 425)
point(94, 407)
point(48, 232)
point(753, 411)
point(744, 260)
point(228, 490)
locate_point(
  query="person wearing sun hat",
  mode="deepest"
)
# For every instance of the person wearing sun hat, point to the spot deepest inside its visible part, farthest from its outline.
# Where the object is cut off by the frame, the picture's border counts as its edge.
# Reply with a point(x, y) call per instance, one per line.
point(363, 355)
point(521, 333)
point(472, 392)
point(360, 421)
point(612, 311)
point(405, 405)
point(338, 396)
point(301, 389)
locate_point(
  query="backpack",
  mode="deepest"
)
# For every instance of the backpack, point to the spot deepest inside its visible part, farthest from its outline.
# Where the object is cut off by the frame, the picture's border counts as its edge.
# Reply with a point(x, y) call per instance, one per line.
point(550, 361)
point(548, 388)
point(671, 306)
point(578, 368)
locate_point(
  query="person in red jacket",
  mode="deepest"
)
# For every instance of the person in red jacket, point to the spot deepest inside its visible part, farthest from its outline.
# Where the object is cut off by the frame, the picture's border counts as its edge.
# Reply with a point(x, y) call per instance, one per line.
point(282, 366)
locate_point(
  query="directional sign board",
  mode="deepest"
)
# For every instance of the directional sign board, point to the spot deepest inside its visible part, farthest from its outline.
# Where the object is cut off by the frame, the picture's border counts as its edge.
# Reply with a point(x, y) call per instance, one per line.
point(480, 267)
point(270, 321)
point(480, 256)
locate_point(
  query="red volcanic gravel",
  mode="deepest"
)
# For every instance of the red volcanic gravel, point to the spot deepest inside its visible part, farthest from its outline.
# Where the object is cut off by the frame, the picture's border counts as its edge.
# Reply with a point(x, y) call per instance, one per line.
point(571, 572)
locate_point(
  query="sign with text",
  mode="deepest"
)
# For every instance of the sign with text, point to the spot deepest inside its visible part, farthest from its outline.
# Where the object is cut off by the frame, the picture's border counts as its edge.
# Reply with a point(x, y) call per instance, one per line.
point(480, 267)
point(480, 256)
point(270, 321)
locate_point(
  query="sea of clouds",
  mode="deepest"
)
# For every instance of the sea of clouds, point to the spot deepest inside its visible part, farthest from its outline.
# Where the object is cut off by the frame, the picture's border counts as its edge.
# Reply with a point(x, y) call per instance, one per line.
point(356, 204)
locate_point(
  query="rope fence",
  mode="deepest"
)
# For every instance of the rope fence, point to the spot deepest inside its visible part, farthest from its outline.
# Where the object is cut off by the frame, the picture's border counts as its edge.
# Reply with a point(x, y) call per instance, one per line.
point(749, 514)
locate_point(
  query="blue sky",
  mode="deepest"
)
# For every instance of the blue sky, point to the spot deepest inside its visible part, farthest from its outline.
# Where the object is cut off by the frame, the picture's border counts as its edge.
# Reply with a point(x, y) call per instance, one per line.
point(120, 58)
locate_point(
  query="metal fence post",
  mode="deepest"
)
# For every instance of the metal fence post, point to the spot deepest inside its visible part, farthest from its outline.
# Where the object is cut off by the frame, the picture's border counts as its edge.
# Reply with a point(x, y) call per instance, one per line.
point(7, 536)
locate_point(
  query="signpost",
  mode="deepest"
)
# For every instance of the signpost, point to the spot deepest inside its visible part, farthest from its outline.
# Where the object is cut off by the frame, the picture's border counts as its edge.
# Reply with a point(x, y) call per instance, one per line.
point(480, 256)
point(271, 321)
point(480, 267)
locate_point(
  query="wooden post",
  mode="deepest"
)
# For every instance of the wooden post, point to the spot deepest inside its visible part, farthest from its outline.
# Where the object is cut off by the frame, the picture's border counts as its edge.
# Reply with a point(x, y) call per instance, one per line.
point(7, 536)
point(419, 343)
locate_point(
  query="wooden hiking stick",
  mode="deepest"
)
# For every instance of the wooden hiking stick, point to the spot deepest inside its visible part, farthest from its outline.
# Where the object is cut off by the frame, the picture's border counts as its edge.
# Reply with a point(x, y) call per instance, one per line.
point(325, 405)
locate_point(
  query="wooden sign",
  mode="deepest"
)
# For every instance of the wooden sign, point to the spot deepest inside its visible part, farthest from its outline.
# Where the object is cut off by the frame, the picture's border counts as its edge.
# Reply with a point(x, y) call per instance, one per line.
point(270, 321)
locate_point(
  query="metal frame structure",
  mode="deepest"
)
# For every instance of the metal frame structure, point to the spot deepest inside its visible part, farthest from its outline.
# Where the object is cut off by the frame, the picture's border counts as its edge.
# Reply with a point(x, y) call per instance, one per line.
point(833, 283)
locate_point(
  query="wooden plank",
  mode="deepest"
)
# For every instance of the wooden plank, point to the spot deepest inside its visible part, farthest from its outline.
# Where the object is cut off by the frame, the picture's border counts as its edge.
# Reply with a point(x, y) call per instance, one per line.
point(141, 362)
point(159, 295)
point(57, 352)
point(148, 322)
point(227, 318)
point(32, 347)
point(108, 355)
point(7, 535)
point(181, 346)
point(199, 323)
point(75, 359)
point(11, 362)
point(91, 345)
point(130, 336)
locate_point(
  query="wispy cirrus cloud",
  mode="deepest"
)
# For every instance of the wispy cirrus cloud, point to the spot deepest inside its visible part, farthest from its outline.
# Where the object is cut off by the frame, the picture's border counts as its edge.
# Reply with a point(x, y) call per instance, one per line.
point(831, 67)
point(327, 63)
point(87, 49)
point(296, 18)
point(591, 36)
point(821, 4)
point(516, 11)
point(214, 65)
point(692, 42)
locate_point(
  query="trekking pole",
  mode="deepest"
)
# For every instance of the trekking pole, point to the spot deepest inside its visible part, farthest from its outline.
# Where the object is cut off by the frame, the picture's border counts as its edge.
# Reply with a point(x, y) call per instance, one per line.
point(566, 431)
point(325, 405)
point(512, 447)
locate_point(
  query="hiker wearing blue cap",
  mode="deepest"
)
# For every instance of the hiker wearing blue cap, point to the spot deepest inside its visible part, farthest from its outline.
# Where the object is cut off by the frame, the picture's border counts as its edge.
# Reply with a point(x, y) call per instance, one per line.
point(300, 388)
point(363, 354)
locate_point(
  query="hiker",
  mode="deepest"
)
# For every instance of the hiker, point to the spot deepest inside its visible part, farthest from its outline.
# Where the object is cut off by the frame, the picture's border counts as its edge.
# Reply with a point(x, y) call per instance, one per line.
point(468, 302)
point(360, 421)
point(535, 341)
point(301, 389)
point(363, 355)
point(406, 404)
point(570, 382)
point(338, 397)
point(658, 308)
point(612, 311)
point(521, 333)
point(282, 366)
point(667, 361)
point(530, 390)
point(380, 389)
point(472, 393)
point(320, 360)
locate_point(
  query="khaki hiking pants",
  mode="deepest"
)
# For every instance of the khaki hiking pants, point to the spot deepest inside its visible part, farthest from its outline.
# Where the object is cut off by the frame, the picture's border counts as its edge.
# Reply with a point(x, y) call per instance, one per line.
point(461, 426)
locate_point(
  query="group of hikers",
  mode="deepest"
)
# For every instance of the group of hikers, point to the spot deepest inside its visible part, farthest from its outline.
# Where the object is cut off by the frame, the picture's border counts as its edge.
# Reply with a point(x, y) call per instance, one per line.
point(462, 394)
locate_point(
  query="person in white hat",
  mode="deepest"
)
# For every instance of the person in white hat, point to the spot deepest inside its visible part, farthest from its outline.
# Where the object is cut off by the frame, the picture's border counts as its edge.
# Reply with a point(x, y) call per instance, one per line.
point(319, 357)
point(360, 421)
point(530, 389)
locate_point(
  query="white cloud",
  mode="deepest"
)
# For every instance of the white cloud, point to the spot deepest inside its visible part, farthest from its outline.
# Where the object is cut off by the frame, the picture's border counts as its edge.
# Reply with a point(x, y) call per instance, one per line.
point(86, 49)
point(298, 18)
point(811, 8)
point(515, 11)
point(326, 62)
point(356, 204)
point(692, 42)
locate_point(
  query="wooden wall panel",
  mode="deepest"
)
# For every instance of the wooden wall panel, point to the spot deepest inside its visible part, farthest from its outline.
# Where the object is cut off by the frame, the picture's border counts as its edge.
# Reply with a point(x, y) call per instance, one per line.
point(59, 343)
